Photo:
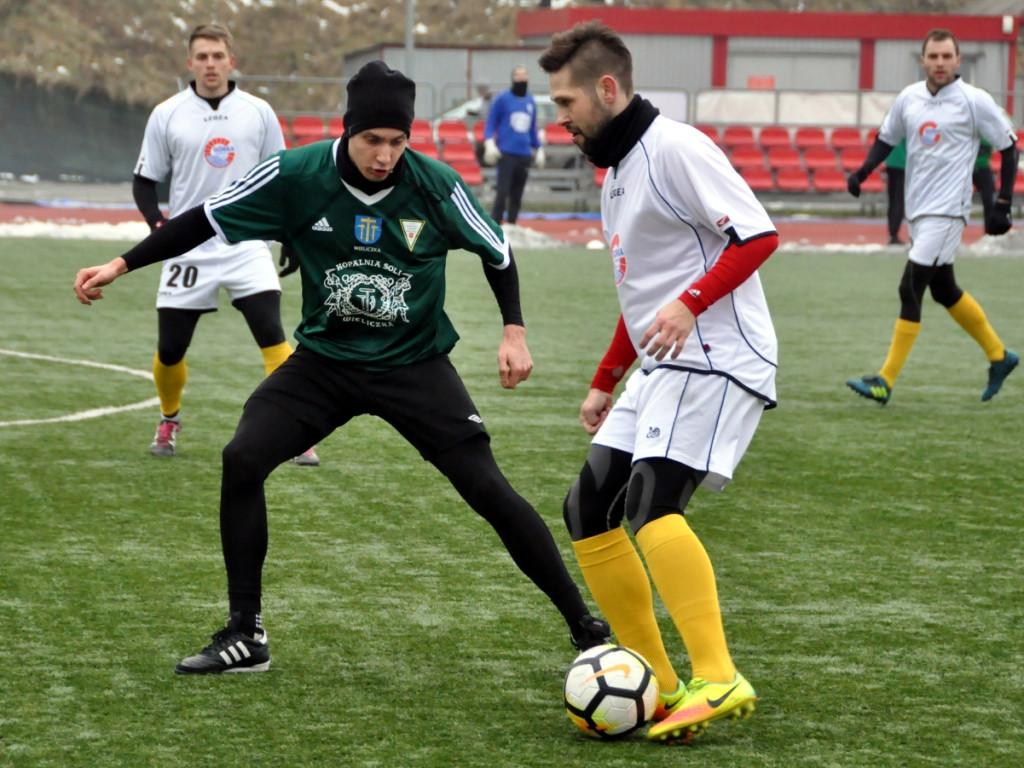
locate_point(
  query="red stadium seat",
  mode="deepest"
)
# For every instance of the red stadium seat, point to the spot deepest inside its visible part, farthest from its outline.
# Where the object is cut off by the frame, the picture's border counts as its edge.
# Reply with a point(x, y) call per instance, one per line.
point(783, 157)
point(853, 158)
point(426, 146)
point(808, 136)
point(792, 180)
point(758, 179)
point(599, 174)
point(829, 181)
point(556, 134)
point(872, 135)
point(421, 129)
point(711, 132)
point(995, 161)
point(873, 183)
point(478, 131)
point(1018, 184)
point(738, 136)
point(747, 157)
point(459, 152)
point(820, 158)
point(308, 128)
point(452, 130)
point(774, 136)
point(470, 173)
point(286, 130)
point(845, 137)
point(335, 126)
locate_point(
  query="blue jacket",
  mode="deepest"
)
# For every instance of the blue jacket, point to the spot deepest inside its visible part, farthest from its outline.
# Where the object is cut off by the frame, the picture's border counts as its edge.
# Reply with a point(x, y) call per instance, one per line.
point(512, 123)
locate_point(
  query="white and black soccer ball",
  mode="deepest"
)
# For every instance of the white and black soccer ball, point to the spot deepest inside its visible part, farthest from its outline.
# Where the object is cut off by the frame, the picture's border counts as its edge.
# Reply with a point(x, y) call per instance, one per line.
point(610, 691)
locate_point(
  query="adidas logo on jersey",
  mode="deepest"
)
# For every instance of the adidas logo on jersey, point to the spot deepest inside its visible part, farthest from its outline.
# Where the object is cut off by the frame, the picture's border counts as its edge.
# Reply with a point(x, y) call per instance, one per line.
point(323, 225)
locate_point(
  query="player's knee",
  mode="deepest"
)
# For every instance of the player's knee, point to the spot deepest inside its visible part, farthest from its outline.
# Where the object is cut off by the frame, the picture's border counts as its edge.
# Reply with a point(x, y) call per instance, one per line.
point(241, 465)
point(171, 352)
point(944, 288)
point(594, 504)
point(571, 512)
point(910, 299)
point(659, 487)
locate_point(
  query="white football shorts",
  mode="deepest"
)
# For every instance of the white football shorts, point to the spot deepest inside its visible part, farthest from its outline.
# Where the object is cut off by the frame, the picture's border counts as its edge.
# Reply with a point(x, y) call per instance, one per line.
point(934, 239)
point(703, 421)
point(193, 280)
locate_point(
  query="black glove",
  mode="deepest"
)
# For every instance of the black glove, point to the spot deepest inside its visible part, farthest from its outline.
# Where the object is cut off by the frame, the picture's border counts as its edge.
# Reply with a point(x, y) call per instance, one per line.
point(999, 219)
point(853, 182)
point(287, 261)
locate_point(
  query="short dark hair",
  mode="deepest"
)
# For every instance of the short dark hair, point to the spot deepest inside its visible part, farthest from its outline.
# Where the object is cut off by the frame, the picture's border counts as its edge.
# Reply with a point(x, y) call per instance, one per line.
point(590, 49)
point(212, 32)
point(938, 35)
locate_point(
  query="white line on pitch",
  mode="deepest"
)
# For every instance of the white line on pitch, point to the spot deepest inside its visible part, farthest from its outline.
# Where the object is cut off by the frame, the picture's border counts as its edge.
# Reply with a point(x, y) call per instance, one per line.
point(92, 413)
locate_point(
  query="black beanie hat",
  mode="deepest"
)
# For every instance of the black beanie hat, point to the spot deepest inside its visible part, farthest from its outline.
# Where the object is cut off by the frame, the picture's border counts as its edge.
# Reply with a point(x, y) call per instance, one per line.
point(379, 97)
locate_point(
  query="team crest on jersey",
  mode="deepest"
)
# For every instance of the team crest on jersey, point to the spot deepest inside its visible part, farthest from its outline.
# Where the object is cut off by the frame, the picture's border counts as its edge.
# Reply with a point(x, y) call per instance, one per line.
point(411, 228)
point(618, 260)
point(368, 229)
point(219, 152)
point(368, 291)
point(929, 133)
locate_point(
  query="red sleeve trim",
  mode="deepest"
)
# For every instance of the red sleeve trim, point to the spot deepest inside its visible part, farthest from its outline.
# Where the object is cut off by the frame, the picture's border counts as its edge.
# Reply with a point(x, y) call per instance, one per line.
point(616, 361)
point(734, 266)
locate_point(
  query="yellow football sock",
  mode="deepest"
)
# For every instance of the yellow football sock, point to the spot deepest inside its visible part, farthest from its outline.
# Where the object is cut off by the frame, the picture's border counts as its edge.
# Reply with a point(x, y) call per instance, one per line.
point(170, 383)
point(971, 317)
point(903, 337)
point(275, 355)
point(616, 578)
point(683, 576)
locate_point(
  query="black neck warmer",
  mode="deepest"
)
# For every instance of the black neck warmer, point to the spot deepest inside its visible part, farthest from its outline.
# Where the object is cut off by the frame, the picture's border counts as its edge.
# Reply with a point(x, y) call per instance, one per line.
point(214, 102)
point(353, 177)
point(623, 132)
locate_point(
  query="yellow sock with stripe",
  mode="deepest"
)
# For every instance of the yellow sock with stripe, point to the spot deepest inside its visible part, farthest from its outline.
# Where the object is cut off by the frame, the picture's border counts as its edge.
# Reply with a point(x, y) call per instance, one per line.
point(683, 576)
point(275, 355)
point(170, 383)
point(971, 317)
point(616, 577)
point(903, 337)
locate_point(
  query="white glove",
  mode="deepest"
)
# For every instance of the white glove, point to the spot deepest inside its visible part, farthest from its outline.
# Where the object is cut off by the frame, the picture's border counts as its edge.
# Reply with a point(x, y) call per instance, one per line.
point(538, 158)
point(491, 152)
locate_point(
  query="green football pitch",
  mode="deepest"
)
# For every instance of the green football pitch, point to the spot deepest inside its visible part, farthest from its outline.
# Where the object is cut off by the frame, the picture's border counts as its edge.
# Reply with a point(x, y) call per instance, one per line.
point(870, 559)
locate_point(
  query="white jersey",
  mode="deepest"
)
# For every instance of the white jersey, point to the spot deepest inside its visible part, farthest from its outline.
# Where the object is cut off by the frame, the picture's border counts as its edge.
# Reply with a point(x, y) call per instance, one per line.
point(943, 131)
point(205, 149)
point(664, 210)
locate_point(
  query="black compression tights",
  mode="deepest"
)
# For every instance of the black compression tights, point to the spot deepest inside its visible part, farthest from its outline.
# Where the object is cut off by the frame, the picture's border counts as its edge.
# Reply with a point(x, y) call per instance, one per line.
point(267, 435)
point(262, 313)
point(916, 278)
point(472, 470)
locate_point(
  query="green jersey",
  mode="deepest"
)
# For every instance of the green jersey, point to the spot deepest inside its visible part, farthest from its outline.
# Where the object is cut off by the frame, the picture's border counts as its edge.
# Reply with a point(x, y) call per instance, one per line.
point(372, 266)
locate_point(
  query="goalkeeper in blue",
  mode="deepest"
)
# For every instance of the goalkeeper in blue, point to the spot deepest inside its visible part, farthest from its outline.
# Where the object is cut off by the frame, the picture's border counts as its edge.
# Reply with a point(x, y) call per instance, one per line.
point(371, 223)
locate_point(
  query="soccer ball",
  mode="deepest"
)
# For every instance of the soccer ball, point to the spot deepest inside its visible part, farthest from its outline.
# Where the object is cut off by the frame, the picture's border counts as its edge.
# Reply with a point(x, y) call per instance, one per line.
point(610, 691)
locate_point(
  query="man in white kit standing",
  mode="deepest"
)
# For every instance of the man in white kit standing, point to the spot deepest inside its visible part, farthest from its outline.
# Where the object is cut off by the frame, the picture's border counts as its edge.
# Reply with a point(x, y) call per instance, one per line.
point(206, 137)
point(686, 236)
point(943, 120)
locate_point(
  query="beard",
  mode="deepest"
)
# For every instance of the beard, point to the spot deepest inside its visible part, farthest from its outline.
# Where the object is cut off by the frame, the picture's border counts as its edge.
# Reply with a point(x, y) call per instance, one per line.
point(597, 135)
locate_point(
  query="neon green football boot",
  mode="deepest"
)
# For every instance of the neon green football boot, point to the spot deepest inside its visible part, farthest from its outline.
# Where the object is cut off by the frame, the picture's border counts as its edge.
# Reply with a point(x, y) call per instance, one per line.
point(705, 703)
